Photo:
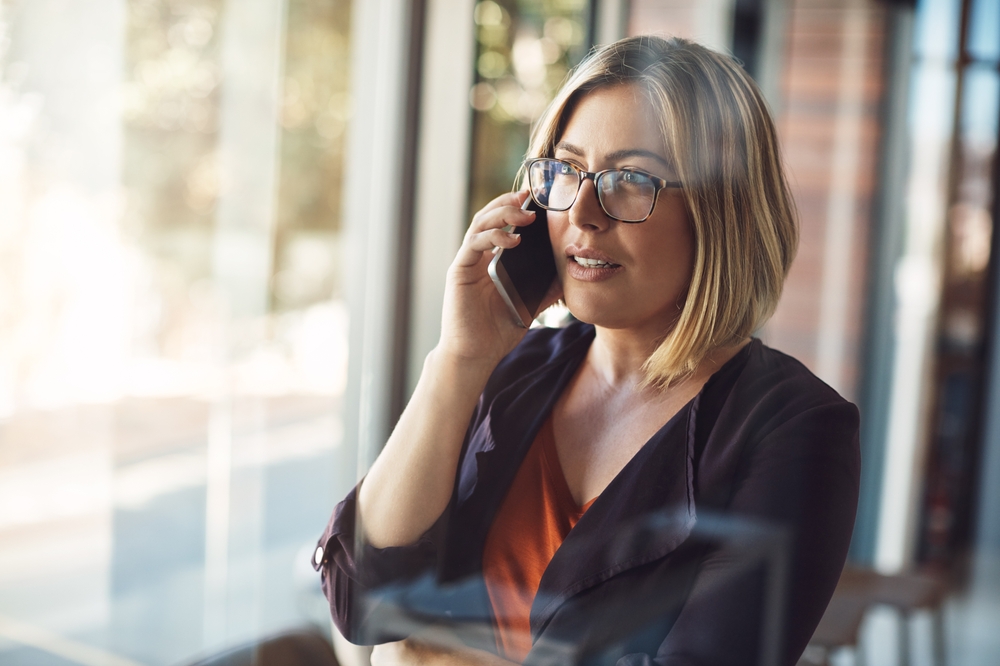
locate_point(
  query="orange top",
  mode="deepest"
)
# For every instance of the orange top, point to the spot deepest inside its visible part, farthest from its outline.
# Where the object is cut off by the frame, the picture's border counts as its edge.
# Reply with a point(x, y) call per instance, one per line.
point(536, 515)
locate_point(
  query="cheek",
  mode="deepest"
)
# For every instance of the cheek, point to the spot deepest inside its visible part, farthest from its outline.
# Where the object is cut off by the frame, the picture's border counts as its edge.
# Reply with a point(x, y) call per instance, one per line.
point(558, 223)
point(668, 259)
point(683, 250)
point(676, 242)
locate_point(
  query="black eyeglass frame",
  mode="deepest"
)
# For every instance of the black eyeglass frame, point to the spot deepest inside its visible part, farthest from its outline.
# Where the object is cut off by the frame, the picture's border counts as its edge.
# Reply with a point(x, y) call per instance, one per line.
point(593, 176)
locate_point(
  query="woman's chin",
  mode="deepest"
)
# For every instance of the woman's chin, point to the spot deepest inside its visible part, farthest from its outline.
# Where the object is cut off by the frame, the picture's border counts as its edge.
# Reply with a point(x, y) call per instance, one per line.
point(613, 314)
point(600, 314)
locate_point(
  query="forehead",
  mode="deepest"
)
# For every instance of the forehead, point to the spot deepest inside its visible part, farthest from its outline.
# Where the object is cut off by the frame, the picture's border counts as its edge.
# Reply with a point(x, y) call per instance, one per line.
point(612, 119)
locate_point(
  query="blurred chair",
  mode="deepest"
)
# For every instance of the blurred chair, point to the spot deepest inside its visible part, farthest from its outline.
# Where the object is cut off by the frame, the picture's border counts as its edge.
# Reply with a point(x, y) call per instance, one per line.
point(300, 647)
point(860, 589)
point(838, 629)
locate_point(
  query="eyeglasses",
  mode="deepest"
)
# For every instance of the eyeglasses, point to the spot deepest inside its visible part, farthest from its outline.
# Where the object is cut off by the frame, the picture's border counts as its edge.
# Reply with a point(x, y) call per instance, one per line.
point(627, 195)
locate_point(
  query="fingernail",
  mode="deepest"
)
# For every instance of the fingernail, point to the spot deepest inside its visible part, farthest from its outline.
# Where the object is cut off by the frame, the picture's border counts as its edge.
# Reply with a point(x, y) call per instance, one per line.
point(514, 235)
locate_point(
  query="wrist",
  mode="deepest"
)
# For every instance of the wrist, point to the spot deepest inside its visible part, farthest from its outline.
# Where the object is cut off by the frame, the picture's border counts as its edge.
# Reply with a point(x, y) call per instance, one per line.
point(462, 370)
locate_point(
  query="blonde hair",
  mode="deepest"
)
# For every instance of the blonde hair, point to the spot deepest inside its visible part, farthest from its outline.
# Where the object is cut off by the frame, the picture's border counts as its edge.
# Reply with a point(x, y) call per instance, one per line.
point(719, 133)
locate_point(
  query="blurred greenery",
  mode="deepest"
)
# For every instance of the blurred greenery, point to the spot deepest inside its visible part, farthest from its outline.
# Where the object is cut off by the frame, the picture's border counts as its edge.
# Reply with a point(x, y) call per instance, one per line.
point(172, 82)
point(315, 111)
point(525, 48)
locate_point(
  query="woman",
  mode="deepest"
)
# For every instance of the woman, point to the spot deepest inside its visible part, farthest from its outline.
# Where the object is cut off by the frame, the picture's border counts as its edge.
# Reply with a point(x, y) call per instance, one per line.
point(623, 489)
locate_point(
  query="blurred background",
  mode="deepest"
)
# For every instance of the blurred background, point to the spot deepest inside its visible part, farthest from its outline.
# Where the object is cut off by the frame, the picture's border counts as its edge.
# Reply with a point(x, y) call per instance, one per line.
point(224, 228)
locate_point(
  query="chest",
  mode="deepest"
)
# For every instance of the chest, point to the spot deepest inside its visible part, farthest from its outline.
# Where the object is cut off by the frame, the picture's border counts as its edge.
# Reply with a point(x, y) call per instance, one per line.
point(596, 438)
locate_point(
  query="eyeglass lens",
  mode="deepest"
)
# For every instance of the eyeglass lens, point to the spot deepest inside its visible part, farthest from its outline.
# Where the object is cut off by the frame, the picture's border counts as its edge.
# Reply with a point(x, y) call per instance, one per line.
point(624, 195)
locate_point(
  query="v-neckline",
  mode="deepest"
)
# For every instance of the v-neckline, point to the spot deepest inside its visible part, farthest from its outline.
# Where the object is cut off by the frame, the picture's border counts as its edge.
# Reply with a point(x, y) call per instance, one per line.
point(549, 422)
point(556, 473)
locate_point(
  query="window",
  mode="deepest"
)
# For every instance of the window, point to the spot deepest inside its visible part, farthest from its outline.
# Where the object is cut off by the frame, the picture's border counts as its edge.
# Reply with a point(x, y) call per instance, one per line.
point(174, 321)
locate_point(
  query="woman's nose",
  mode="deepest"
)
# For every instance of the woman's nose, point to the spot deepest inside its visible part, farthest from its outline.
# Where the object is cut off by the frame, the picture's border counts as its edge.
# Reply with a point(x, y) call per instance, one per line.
point(586, 212)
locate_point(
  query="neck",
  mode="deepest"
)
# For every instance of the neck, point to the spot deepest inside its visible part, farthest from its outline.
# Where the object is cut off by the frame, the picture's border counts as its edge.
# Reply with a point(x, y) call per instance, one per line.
point(617, 357)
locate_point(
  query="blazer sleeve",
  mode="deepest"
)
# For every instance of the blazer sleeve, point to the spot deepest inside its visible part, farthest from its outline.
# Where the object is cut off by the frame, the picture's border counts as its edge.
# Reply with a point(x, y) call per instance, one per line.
point(357, 578)
point(351, 570)
point(803, 476)
point(354, 575)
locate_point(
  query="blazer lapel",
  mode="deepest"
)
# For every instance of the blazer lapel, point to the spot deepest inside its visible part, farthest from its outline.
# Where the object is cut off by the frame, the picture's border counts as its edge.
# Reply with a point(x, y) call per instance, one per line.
point(644, 514)
point(497, 448)
point(648, 510)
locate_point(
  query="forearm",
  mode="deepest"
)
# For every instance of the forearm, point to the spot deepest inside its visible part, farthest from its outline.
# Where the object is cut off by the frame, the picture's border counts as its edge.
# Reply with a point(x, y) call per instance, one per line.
point(411, 482)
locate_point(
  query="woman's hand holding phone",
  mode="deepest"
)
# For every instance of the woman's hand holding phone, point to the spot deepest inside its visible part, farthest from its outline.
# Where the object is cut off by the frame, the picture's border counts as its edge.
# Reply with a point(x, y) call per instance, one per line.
point(477, 326)
point(411, 482)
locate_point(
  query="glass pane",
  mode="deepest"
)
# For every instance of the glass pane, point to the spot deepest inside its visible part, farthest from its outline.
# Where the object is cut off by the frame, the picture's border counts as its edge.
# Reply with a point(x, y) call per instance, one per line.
point(946, 520)
point(937, 28)
point(984, 30)
point(525, 48)
point(172, 322)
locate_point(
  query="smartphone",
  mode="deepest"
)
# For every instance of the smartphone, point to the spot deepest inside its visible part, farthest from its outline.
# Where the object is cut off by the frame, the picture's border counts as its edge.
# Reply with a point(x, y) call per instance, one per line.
point(524, 274)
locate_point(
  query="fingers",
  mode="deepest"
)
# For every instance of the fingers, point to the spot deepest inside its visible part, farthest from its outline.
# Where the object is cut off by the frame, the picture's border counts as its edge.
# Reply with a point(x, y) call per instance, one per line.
point(487, 240)
point(488, 228)
point(503, 211)
point(515, 199)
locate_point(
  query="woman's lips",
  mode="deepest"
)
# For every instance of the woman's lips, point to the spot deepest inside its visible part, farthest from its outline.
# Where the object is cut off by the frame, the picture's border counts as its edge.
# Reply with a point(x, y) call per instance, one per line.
point(590, 266)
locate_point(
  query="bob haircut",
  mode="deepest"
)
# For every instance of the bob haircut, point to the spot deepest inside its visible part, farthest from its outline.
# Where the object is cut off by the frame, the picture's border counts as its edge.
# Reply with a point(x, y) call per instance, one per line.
point(719, 134)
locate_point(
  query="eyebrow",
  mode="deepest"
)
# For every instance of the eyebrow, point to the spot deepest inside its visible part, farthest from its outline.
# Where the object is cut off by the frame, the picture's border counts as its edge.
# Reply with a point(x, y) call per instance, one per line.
point(618, 154)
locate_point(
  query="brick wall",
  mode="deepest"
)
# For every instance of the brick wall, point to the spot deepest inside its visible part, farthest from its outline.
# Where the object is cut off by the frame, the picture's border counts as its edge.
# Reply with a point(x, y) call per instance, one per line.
point(827, 116)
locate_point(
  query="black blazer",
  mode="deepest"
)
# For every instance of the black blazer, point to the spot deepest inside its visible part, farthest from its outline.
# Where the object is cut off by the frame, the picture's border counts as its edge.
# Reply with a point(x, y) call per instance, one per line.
point(720, 542)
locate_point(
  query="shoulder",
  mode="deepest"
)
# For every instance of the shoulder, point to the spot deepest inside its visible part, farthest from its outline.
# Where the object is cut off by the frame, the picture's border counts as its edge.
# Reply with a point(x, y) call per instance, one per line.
point(770, 428)
point(776, 400)
point(773, 372)
point(790, 410)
